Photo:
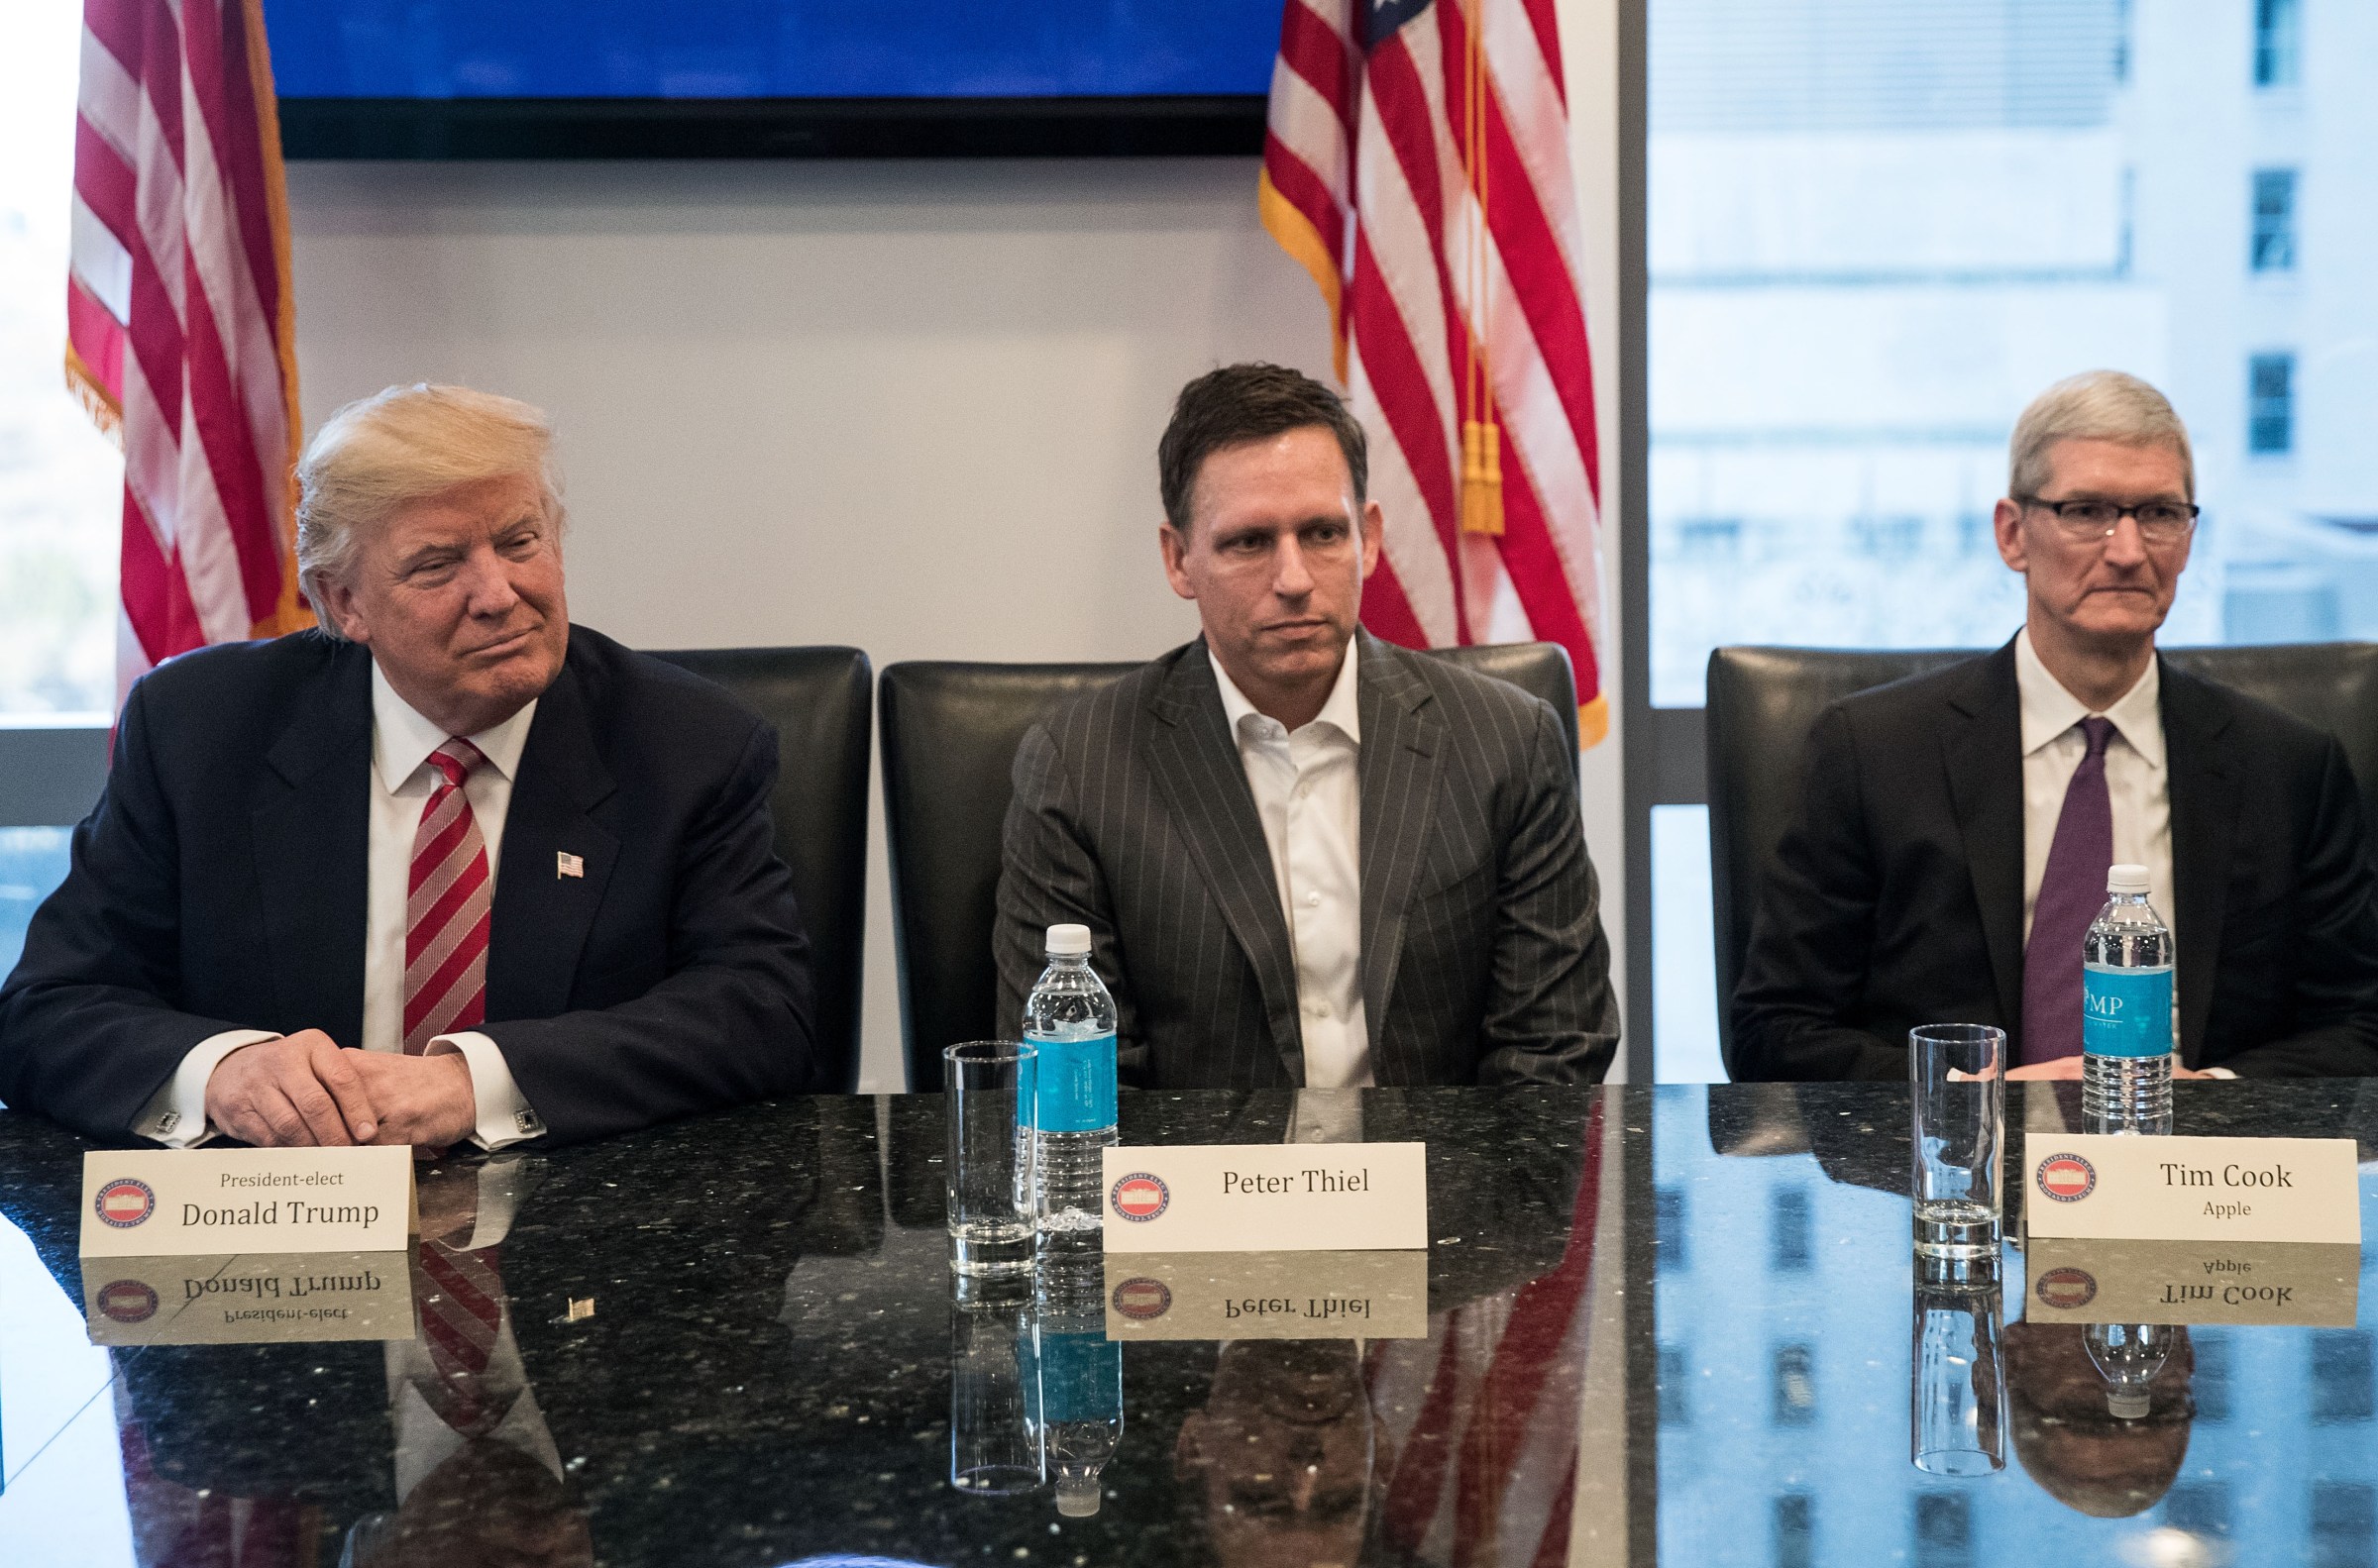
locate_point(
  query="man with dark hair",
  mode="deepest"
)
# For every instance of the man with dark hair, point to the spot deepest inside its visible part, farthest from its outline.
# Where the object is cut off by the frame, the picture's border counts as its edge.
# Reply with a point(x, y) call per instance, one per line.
point(1306, 857)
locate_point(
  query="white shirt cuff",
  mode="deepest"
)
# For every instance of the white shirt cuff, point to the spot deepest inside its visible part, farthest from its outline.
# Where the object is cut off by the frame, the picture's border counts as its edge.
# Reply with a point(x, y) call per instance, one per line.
point(176, 1115)
point(504, 1114)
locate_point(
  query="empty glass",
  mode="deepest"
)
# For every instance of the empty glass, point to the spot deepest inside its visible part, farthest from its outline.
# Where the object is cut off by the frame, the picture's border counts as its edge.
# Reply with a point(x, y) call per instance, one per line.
point(1957, 1388)
point(994, 1392)
point(991, 1165)
point(1960, 1095)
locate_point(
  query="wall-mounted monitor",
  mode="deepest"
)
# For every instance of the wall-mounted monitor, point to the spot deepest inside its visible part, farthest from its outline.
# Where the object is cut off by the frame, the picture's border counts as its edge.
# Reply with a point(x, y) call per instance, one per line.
point(771, 79)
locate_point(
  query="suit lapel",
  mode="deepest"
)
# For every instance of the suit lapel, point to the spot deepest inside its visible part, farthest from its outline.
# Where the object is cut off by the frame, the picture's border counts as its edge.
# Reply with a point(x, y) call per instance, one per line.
point(1982, 749)
point(1400, 732)
point(1196, 764)
point(2203, 802)
point(539, 923)
point(310, 823)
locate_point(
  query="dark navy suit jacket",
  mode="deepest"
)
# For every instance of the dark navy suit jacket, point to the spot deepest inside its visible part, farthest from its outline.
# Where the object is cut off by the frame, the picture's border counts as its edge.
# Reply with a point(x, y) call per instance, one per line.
point(220, 885)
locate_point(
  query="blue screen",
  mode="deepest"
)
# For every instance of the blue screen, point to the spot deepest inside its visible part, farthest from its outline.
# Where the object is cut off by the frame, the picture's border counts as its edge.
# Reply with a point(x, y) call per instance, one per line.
point(769, 49)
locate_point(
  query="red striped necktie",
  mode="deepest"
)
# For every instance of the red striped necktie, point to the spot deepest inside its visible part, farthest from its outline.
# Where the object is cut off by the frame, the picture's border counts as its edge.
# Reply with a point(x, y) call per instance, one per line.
point(459, 1294)
point(446, 908)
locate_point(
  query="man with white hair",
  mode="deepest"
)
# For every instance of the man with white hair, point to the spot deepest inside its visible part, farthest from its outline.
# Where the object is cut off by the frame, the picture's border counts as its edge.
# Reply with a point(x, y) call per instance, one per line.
point(529, 872)
point(1955, 829)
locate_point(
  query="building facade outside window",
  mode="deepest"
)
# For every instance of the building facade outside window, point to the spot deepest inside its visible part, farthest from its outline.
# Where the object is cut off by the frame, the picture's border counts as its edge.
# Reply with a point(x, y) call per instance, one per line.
point(2278, 43)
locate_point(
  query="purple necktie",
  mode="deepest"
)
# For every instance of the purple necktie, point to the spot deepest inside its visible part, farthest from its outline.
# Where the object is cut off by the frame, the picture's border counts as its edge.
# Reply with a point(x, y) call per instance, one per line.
point(2071, 893)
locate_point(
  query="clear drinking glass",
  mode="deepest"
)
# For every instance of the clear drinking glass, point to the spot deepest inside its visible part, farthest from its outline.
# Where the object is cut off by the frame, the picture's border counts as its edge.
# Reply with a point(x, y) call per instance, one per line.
point(1957, 1387)
point(1960, 1095)
point(994, 1390)
point(992, 1155)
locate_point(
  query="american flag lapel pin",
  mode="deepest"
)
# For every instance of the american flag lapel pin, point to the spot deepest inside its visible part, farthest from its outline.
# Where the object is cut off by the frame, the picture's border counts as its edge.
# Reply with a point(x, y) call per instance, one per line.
point(565, 864)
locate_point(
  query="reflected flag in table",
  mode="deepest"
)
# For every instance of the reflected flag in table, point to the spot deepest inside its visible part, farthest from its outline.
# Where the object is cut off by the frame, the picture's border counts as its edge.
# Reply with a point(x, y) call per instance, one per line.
point(1416, 163)
point(180, 323)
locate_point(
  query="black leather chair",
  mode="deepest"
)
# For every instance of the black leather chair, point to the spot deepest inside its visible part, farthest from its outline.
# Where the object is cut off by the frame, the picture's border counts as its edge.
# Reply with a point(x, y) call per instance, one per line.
point(1763, 702)
point(818, 700)
point(950, 733)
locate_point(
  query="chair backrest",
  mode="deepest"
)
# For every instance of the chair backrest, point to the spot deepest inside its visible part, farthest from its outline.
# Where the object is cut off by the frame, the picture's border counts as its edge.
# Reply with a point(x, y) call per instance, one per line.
point(1763, 702)
point(818, 700)
point(950, 733)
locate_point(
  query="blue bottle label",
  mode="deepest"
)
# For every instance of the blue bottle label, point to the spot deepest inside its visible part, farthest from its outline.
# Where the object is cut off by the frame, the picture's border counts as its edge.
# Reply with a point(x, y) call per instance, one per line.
point(1077, 1084)
point(1081, 1378)
point(2125, 1011)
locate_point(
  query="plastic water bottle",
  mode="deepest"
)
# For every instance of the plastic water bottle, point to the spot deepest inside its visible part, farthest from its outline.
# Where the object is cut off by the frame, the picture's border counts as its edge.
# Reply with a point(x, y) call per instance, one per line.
point(2126, 1011)
point(1081, 1384)
point(2129, 1356)
point(1071, 1019)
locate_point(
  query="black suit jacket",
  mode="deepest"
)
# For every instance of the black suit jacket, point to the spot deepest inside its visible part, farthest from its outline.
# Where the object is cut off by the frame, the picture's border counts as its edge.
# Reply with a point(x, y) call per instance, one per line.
point(1483, 959)
point(1897, 897)
point(220, 885)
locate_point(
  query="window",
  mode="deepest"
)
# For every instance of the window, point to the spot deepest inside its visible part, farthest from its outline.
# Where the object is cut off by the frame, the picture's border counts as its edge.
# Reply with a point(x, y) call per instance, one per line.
point(2210, 1385)
point(2271, 404)
point(1796, 1531)
point(33, 860)
point(1944, 1531)
point(1841, 335)
point(2340, 1377)
point(59, 478)
point(2344, 1517)
point(1668, 1208)
point(1788, 1249)
point(2274, 244)
point(2278, 42)
point(1675, 1399)
point(1792, 1396)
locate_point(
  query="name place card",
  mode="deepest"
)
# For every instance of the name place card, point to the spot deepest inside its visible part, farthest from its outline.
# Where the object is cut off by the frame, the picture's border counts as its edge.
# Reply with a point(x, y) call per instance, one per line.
point(2147, 1188)
point(1267, 1294)
point(1268, 1197)
point(2309, 1283)
point(246, 1298)
point(183, 1203)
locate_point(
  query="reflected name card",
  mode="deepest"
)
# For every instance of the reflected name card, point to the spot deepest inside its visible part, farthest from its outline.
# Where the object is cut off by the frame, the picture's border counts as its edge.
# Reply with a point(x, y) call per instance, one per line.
point(1268, 1197)
point(2307, 1284)
point(249, 1299)
point(2151, 1188)
point(193, 1203)
point(1267, 1296)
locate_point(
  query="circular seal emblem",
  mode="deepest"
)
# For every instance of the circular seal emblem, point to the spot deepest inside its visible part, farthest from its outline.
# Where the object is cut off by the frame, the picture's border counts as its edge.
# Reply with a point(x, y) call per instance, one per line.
point(1143, 1300)
point(2068, 1288)
point(1141, 1196)
point(2066, 1177)
point(128, 1302)
point(124, 1202)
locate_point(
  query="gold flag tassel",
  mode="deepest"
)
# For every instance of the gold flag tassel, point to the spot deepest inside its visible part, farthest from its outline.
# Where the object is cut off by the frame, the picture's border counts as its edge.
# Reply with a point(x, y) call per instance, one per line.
point(1481, 438)
point(1481, 476)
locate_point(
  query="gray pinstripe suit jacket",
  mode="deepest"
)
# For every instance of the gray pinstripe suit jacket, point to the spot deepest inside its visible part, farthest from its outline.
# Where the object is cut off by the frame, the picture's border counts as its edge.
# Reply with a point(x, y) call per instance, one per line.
point(1483, 959)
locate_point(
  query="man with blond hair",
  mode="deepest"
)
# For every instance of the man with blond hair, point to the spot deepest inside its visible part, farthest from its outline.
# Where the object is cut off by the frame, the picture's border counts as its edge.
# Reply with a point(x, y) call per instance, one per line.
point(1955, 829)
point(526, 870)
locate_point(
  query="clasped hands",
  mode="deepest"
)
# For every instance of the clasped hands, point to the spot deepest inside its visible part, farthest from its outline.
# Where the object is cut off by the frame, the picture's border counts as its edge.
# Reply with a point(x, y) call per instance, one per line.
point(301, 1090)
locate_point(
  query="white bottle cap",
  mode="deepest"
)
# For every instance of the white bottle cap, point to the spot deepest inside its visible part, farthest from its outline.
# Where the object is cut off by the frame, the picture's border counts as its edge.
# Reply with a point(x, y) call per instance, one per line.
point(1067, 940)
point(2118, 879)
point(2127, 1404)
point(1077, 1496)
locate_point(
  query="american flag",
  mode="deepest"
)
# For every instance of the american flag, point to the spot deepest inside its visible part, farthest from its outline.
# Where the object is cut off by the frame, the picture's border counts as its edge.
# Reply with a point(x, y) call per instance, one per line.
point(180, 323)
point(1417, 165)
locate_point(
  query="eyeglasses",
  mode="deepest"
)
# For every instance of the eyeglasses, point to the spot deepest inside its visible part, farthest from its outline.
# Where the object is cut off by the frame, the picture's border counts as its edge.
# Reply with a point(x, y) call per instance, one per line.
point(2087, 517)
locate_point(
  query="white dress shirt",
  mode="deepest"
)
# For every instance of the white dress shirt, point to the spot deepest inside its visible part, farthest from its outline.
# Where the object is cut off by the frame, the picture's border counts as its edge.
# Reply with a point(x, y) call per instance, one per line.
point(401, 781)
point(2138, 779)
point(1308, 791)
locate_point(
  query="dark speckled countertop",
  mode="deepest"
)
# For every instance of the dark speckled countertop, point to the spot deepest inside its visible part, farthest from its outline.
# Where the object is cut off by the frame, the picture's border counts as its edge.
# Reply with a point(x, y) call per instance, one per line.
point(1661, 1325)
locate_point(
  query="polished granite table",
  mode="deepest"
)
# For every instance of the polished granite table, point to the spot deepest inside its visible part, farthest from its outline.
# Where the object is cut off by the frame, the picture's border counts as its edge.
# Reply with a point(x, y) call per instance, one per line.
point(1655, 1324)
